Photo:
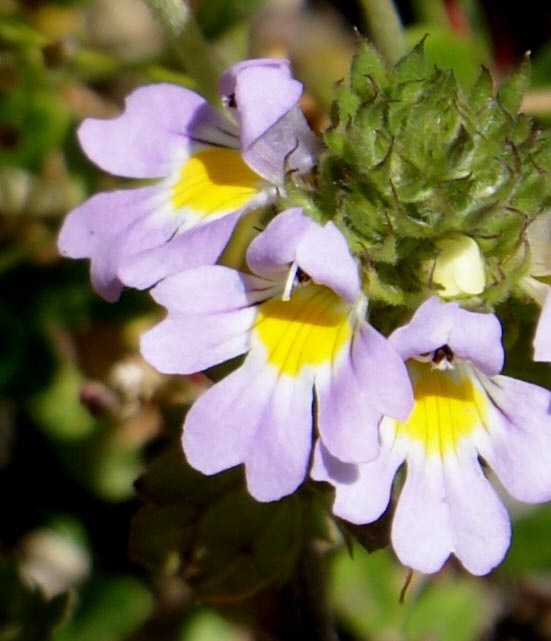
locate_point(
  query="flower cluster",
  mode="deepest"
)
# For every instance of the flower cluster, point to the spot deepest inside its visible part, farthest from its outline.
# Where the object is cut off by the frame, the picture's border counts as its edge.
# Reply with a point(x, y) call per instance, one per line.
point(363, 318)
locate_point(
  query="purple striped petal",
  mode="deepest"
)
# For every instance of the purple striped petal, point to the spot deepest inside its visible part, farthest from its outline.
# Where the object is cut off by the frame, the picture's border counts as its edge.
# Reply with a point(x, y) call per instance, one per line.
point(370, 381)
point(222, 423)
point(211, 311)
point(520, 448)
point(101, 227)
point(275, 137)
point(479, 523)
point(471, 336)
point(252, 417)
point(278, 462)
point(363, 491)
point(420, 532)
point(200, 245)
point(320, 251)
point(159, 124)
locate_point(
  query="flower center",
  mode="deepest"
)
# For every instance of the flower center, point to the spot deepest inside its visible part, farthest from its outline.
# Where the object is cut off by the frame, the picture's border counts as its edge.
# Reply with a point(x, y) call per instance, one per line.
point(448, 406)
point(215, 182)
point(309, 329)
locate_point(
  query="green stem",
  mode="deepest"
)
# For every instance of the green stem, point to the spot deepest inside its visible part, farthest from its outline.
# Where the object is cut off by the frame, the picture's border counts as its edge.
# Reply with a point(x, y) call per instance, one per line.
point(384, 28)
point(195, 52)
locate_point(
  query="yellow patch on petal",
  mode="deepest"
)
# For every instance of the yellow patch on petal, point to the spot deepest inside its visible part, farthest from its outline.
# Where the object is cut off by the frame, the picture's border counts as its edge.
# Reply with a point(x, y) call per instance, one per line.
point(448, 407)
point(309, 329)
point(215, 182)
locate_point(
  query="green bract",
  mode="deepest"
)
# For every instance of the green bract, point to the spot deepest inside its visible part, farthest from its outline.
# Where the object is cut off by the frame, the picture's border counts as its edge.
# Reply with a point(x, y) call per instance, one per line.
point(410, 160)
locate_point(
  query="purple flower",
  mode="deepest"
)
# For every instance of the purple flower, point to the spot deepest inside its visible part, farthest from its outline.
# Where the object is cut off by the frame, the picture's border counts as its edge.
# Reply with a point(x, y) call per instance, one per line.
point(207, 170)
point(299, 318)
point(463, 410)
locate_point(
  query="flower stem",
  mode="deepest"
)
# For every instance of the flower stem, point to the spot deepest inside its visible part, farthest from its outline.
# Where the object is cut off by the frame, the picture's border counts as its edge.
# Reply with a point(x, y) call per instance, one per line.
point(196, 53)
point(384, 28)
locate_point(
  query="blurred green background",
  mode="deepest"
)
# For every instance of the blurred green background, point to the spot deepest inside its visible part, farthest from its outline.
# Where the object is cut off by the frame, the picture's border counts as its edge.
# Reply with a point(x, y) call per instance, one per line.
point(88, 554)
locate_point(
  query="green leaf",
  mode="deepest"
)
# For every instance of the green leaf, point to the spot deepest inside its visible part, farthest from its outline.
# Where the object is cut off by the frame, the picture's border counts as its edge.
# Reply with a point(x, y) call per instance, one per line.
point(247, 545)
point(414, 66)
point(530, 550)
point(511, 90)
point(169, 479)
point(368, 71)
point(109, 608)
point(453, 611)
point(447, 49)
point(482, 91)
point(208, 625)
point(226, 544)
point(367, 590)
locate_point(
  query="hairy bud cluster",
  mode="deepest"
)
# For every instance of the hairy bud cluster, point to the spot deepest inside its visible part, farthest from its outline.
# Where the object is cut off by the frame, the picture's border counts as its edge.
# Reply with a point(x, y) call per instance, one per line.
point(411, 161)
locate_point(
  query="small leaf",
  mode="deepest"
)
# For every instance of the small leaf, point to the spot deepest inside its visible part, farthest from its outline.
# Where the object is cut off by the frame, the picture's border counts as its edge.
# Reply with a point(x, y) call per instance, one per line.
point(246, 545)
point(512, 89)
point(413, 66)
point(170, 479)
point(368, 73)
point(110, 608)
point(482, 92)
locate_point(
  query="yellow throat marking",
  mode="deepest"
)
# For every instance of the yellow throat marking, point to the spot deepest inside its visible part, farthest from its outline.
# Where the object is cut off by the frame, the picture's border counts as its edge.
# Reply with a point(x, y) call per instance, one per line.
point(309, 329)
point(215, 181)
point(448, 407)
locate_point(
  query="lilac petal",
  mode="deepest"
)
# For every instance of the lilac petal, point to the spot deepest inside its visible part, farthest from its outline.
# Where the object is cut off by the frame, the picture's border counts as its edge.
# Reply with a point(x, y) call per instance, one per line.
point(324, 255)
point(271, 253)
point(371, 380)
point(477, 338)
point(428, 329)
point(209, 321)
point(228, 80)
point(221, 427)
point(278, 460)
point(383, 371)
point(420, 533)
point(448, 506)
point(264, 92)
point(99, 229)
point(326, 467)
point(209, 289)
point(520, 432)
point(479, 522)
point(347, 422)
point(254, 418)
point(320, 251)
point(288, 146)
point(275, 137)
point(201, 245)
point(362, 491)
point(472, 336)
point(542, 338)
point(160, 122)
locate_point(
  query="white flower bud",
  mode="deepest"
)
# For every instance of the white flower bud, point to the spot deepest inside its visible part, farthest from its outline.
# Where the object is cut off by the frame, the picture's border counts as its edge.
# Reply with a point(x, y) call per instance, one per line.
point(459, 267)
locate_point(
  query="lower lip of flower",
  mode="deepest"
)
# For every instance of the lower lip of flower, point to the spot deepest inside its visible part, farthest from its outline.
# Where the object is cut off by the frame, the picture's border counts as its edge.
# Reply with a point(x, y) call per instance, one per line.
point(310, 329)
point(214, 182)
point(448, 408)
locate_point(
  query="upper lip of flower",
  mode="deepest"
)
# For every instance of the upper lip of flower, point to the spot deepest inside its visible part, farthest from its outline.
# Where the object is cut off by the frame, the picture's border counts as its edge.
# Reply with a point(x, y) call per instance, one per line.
point(164, 131)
